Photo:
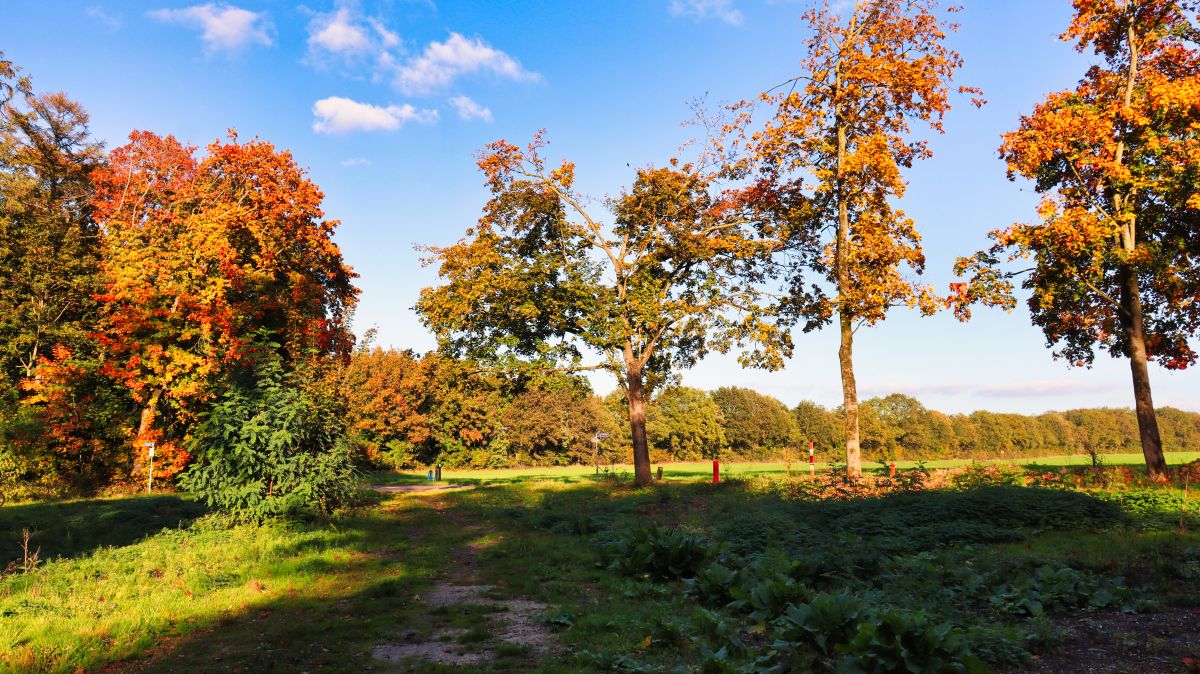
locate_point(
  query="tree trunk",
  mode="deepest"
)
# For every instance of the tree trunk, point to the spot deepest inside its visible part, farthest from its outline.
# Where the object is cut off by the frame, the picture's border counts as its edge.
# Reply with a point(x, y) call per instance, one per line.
point(849, 398)
point(1131, 302)
point(637, 426)
point(845, 320)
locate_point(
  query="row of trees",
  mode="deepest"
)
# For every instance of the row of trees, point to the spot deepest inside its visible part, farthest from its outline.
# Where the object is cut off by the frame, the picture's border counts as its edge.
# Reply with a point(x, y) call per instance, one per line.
point(790, 216)
point(408, 410)
point(141, 286)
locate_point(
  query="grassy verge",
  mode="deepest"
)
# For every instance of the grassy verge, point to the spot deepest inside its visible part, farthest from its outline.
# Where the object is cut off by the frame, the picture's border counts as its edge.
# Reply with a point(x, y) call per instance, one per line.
point(150, 584)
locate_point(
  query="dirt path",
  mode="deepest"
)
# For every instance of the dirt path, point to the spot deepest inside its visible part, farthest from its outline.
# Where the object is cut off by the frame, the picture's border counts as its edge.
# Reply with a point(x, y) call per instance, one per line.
point(473, 624)
point(415, 488)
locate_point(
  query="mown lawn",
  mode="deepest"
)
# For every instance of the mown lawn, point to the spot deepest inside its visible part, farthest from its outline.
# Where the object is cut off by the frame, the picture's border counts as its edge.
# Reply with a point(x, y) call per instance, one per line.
point(702, 470)
point(152, 584)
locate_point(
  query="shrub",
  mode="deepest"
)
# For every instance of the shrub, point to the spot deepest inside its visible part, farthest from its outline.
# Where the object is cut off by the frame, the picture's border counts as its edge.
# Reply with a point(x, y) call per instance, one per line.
point(978, 475)
point(271, 446)
point(660, 553)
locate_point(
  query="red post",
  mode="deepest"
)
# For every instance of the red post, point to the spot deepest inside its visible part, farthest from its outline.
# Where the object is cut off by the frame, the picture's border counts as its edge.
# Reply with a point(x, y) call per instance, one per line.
point(892, 469)
point(716, 471)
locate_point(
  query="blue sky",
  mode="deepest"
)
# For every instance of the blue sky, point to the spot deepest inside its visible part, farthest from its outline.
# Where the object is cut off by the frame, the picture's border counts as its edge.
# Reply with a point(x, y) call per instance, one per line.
point(386, 101)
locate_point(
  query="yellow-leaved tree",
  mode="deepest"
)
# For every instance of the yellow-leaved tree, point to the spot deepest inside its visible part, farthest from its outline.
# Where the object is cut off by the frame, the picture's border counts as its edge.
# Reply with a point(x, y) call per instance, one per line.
point(1115, 252)
point(838, 141)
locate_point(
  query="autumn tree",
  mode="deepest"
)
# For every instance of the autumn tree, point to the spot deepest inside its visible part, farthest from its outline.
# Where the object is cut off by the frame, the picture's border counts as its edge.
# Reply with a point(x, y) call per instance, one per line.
point(60, 411)
point(542, 278)
point(551, 420)
point(839, 139)
point(1115, 252)
point(49, 243)
point(203, 254)
point(388, 398)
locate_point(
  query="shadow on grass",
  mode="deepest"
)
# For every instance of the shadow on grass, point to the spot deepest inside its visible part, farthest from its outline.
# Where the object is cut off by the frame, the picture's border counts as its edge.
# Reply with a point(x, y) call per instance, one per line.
point(545, 543)
point(75, 528)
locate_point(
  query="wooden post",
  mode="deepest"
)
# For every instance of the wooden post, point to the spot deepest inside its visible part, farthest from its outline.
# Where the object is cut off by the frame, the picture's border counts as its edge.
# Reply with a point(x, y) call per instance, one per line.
point(716, 471)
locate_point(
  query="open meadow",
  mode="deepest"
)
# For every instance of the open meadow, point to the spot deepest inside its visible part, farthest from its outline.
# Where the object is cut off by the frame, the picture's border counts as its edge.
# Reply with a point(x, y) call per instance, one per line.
point(699, 470)
point(969, 569)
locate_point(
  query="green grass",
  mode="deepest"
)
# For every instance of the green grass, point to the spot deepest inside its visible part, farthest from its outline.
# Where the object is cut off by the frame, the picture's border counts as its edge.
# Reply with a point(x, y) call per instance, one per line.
point(702, 470)
point(278, 597)
point(144, 583)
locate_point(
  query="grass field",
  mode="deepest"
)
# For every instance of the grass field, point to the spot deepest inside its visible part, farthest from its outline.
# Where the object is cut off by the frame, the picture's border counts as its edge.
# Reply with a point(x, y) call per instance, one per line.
point(702, 470)
point(562, 575)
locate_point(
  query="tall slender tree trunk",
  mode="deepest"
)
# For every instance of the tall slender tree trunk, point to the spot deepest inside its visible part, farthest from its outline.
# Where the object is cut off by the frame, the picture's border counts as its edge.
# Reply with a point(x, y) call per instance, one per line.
point(845, 319)
point(1132, 319)
point(849, 397)
point(1131, 303)
point(635, 392)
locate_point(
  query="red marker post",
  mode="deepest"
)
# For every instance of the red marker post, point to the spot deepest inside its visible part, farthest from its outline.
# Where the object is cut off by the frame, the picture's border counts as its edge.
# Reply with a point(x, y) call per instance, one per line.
point(716, 471)
point(812, 461)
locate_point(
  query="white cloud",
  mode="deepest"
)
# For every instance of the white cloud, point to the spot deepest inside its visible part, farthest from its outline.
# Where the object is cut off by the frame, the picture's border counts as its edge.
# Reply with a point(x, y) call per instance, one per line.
point(356, 161)
point(443, 62)
point(700, 10)
point(387, 38)
point(110, 22)
point(342, 115)
point(469, 109)
point(223, 27)
point(338, 32)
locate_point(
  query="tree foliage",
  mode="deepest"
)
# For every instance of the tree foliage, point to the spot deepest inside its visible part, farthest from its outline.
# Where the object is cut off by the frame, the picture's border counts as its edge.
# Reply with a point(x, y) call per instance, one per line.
point(755, 424)
point(62, 421)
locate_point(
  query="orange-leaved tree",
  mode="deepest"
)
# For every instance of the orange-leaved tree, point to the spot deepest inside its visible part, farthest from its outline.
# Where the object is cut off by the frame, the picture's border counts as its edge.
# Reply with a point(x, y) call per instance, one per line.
point(200, 256)
point(1115, 252)
point(542, 279)
point(840, 136)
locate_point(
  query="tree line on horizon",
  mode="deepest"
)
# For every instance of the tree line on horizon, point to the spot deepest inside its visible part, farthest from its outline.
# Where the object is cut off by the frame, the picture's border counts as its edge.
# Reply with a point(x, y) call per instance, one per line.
point(407, 410)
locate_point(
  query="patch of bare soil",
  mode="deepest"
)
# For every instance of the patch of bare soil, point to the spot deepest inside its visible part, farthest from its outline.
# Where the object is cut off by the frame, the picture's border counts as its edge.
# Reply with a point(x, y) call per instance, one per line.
point(511, 622)
point(515, 622)
point(1119, 643)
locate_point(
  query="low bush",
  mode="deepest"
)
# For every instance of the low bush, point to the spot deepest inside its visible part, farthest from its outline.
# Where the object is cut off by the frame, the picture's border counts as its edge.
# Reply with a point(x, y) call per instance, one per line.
point(658, 553)
point(271, 446)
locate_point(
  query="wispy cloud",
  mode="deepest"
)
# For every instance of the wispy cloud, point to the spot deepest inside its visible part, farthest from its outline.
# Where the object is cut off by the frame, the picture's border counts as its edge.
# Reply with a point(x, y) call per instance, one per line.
point(223, 27)
point(109, 21)
point(356, 161)
point(1034, 388)
point(469, 109)
point(342, 115)
point(441, 63)
point(702, 10)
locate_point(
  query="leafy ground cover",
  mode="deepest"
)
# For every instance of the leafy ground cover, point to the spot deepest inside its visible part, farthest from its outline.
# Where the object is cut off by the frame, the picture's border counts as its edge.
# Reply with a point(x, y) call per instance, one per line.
point(758, 574)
